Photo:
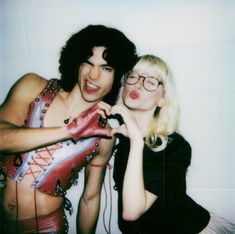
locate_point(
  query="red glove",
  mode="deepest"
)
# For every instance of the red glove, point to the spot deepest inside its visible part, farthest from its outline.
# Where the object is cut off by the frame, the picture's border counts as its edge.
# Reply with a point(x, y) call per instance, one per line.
point(88, 123)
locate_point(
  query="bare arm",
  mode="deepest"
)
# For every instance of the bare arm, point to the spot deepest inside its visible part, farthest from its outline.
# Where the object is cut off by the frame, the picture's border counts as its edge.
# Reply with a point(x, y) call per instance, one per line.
point(20, 139)
point(89, 204)
point(14, 137)
point(136, 200)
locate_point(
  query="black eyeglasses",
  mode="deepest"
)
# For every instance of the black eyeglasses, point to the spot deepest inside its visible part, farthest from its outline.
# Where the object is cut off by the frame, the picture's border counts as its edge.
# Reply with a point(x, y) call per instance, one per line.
point(150, 83)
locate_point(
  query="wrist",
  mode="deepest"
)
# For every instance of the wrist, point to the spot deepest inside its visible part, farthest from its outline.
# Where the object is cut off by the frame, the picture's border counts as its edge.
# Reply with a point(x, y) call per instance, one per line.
point(139, 142)
point(65, 133)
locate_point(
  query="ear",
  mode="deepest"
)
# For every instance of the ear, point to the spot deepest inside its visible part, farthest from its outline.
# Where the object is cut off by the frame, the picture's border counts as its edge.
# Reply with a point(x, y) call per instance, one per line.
point(162, 99)
point(161, 102)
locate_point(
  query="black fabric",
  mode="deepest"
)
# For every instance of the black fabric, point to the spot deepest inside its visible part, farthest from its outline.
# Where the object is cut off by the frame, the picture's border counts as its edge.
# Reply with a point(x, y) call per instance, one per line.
point(165, 176)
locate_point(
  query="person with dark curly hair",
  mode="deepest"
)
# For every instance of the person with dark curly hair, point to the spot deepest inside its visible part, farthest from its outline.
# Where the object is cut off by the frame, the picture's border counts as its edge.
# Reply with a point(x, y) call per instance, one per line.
point(51, 129)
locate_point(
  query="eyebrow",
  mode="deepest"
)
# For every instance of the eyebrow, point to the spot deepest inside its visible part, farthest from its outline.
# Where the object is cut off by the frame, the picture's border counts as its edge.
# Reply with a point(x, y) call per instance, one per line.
point(102, 65)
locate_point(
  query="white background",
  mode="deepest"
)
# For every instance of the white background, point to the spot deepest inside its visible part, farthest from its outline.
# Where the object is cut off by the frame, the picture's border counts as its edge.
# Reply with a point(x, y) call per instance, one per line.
point(197, 40)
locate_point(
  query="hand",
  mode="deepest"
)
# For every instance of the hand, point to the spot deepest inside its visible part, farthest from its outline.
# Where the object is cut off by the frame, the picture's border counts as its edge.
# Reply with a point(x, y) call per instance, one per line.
point(91, 122)
point(129, 128)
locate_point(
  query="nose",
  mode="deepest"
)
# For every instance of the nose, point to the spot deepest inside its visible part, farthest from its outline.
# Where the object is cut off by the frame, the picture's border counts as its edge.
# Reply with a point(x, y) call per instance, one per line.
point(140, 82)
point(94, 73)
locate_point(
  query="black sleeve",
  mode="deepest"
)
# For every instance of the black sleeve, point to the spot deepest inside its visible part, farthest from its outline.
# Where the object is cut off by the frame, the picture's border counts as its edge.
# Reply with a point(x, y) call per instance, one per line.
point(165, 171)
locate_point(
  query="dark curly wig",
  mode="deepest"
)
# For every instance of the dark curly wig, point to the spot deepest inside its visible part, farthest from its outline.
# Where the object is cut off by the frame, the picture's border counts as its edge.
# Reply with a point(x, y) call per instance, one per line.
point(120, 54)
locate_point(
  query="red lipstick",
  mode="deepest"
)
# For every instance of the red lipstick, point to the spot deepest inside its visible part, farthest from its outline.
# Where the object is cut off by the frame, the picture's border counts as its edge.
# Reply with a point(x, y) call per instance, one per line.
point(134, 95)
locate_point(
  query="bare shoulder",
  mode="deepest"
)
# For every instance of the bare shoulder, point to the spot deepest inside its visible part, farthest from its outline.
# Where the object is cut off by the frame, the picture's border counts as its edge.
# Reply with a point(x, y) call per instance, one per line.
point(26, 87)
point(20, 96)
point(29, 84)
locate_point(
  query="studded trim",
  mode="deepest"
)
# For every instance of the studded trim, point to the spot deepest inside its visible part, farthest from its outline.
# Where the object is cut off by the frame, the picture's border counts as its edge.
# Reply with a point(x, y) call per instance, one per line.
point(54, 168)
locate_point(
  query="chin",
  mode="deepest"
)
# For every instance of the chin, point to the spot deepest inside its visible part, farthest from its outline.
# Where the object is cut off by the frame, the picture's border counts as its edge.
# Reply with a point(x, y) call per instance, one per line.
point(130, 105)
point(131, 102)
point(89, 98)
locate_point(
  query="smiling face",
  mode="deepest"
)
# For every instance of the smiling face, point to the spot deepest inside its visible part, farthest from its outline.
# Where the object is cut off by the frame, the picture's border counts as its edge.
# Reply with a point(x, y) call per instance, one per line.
point(136, 97)
point(95, 76)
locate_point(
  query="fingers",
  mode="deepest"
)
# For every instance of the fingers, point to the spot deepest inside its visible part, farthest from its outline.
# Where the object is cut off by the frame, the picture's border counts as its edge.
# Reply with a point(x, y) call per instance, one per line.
point(104, 132)
point(121, 129)
point(102, 113)
point(123, 112)
point(102, 121)
point(84, 121)
point(117, 109)
point(130, 127)
point(104, 108)
point(95, 130)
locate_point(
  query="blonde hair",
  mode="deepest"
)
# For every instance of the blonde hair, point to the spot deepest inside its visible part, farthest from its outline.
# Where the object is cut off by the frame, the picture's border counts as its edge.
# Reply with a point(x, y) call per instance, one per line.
point(165, 119)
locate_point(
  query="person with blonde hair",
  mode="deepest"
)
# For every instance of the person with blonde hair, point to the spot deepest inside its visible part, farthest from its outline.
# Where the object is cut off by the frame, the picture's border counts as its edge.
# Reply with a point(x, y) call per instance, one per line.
point(151, 158)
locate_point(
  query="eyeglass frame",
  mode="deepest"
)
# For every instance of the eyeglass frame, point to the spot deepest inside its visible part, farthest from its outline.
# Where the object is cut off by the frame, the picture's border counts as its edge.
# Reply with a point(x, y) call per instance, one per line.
point(144, 78)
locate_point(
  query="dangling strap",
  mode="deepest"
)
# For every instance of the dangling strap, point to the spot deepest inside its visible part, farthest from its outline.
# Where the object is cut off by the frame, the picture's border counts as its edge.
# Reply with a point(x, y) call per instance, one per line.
point(35, 209)
point(108, 230)
point(17, 209)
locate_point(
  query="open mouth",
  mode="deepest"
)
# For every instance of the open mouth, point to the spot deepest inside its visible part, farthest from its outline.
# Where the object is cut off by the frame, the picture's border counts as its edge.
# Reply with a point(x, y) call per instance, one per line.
point(90, 87)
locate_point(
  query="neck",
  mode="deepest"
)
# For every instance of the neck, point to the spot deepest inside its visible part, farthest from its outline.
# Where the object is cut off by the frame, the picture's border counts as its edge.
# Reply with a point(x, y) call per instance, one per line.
point(75, 104)
point(143, 119)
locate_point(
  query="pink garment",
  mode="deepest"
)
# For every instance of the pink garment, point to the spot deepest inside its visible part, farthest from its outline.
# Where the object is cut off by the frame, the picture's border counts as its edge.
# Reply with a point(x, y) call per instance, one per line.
point(53, 168)
point(54, 222)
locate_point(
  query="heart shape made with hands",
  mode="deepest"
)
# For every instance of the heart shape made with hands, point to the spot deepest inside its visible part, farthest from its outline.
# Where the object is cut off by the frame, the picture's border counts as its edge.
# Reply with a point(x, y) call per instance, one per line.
point(93, 121)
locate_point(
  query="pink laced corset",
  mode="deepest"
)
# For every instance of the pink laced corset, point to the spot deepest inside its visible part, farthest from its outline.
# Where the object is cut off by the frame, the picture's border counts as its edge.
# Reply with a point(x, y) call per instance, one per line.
point(53, 168)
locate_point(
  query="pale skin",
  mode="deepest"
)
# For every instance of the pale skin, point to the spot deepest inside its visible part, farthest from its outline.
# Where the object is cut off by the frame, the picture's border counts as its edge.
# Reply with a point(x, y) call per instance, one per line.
point(94, 82)
point(136, 113)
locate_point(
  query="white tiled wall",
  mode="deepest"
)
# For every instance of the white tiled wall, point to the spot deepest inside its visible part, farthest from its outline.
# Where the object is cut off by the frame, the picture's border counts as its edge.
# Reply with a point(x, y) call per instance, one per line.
point(196, 38)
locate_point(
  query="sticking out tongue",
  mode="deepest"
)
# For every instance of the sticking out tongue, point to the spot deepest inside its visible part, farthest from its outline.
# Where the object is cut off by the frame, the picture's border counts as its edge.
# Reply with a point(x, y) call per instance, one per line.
point(90, 87)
